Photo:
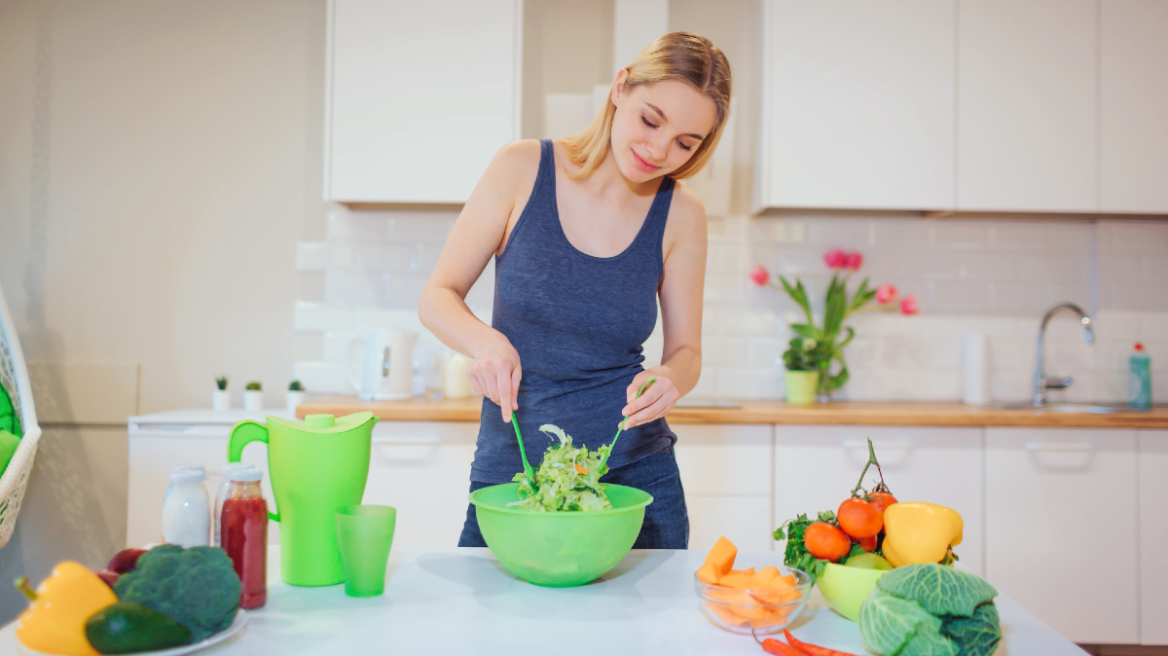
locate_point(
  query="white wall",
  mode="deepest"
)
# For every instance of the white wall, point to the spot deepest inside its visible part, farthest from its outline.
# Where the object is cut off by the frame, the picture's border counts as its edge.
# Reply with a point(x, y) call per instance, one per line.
point(158, 163)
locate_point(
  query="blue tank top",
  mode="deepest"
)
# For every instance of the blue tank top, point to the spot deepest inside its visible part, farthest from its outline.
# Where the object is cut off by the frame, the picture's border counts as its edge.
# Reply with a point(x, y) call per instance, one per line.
point(578, 323)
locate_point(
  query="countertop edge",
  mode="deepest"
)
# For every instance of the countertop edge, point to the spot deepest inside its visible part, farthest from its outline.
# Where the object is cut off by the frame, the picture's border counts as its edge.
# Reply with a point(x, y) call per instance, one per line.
point(779, 413)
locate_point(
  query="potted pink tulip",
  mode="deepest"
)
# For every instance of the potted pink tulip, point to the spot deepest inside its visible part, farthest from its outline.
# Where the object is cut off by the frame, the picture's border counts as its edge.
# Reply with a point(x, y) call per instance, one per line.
point(827, 341)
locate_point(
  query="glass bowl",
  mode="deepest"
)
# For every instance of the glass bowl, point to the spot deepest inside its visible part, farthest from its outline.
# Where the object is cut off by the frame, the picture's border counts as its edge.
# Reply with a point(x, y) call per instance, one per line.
point(762, 611)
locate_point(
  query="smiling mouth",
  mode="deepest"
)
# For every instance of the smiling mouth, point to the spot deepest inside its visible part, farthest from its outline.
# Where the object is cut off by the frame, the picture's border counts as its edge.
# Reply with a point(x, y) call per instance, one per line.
point(642, 163)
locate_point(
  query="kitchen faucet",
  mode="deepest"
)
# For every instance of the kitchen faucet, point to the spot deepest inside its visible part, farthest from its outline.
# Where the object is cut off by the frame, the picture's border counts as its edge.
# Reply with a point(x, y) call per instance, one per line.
point(1041, 384)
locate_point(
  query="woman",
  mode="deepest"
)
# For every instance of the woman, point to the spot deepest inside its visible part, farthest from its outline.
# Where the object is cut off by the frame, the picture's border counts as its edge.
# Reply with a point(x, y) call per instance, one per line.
point(587, 232)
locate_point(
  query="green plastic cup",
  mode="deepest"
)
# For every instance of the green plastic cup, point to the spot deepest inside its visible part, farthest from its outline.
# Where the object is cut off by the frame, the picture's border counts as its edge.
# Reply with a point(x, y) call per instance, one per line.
point(559, 549)
point(365, 534)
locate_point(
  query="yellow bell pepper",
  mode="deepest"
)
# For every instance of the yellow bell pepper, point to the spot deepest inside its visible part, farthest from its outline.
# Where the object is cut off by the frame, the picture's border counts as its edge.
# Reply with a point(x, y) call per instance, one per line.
point(919, 532)
point(55, 623)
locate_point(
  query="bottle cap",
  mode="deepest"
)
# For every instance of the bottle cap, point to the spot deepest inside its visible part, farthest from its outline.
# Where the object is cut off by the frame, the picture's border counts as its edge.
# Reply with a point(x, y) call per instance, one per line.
point(246, 475)
point(186, 475)
point(231, 466)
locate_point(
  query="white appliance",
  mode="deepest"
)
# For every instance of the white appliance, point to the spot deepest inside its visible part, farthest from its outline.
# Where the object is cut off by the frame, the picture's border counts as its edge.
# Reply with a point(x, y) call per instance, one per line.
point(386, 364)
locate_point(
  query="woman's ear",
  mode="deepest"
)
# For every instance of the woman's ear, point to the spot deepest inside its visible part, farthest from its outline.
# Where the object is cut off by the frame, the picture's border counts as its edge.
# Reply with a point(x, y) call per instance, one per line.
point(618, 85)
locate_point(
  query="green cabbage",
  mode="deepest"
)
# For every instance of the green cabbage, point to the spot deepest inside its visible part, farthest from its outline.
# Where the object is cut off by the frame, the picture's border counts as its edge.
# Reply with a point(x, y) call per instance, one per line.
point(560, 485)
point(930, 610)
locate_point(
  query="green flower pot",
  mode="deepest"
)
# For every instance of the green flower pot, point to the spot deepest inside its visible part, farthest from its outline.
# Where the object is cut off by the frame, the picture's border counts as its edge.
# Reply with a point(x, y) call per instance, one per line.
point(801, 386)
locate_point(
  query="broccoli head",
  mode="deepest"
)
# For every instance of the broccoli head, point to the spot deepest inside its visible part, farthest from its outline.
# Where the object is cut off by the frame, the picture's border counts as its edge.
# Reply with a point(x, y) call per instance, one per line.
point(195, 587)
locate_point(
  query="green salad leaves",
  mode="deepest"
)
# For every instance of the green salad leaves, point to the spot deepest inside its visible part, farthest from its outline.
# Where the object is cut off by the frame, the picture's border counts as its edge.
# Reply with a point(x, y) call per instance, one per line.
point(930, 609)
point(568, 478)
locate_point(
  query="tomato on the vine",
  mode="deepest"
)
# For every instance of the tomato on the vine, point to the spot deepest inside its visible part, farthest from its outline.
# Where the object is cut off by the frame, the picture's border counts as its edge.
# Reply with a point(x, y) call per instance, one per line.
point(868, 544)
point(881, 500)
point(859, 519)
point(826, 541)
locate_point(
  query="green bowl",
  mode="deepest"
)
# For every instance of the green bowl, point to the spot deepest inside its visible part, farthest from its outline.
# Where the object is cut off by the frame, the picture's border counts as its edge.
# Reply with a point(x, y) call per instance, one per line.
point(846, 588)
point(563, 549)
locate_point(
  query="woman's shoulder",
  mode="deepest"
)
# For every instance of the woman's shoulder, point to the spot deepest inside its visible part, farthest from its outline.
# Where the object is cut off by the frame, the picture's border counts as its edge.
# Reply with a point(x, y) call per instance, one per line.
point(513, 169)
point(519, 157)
point(686, 207)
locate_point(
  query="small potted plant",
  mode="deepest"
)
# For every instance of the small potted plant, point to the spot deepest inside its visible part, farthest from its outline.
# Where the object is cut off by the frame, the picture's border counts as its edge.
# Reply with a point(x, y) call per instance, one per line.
point(831, 335)
point(221, 398)
point(802, 359)
point(295, 395)
point(253, 397)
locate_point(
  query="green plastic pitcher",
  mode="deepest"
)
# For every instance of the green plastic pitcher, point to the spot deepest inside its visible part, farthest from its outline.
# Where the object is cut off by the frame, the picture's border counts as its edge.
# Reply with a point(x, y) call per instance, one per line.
point(316, 467)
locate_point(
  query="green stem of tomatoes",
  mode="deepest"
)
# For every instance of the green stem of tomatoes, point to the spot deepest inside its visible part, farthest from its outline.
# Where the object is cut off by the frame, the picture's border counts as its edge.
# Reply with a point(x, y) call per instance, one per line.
point(871, 461)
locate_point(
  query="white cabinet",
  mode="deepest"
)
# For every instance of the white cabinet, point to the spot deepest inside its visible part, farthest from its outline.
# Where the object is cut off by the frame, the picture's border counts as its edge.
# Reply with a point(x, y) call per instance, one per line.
point(420, 96)
point(1134, 94)
point(422, 468)
point(1027, 108)
point(816, 468)
point(858, 104)
point(726, 473)
point(1153, 448)
point(1061, 528)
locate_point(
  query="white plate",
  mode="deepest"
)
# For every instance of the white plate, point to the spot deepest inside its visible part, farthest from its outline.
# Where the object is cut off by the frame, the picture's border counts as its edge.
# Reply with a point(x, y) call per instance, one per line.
point(236, 625)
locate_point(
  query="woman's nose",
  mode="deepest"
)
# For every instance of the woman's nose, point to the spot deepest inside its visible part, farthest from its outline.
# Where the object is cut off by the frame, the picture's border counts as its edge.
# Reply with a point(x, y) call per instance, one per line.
point(655, 148)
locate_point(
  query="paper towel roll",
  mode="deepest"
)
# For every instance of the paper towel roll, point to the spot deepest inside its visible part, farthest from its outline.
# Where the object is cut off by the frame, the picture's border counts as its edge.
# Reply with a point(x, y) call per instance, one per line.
point(975, 370)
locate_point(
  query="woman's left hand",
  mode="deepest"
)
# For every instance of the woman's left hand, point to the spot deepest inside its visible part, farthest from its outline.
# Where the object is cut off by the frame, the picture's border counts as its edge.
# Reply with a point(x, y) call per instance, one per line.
point(657, 400)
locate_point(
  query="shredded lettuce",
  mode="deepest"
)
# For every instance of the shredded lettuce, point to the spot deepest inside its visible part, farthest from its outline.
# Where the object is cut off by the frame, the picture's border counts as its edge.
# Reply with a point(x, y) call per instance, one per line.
point(568, 479)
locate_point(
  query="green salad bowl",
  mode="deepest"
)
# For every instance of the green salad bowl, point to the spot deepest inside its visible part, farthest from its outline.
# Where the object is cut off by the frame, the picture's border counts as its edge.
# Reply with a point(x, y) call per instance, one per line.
point(564, 549)
point(845, 588)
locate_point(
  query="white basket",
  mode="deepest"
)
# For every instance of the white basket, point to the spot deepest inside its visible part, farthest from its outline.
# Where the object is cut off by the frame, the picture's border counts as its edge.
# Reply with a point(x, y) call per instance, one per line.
point(14, 378)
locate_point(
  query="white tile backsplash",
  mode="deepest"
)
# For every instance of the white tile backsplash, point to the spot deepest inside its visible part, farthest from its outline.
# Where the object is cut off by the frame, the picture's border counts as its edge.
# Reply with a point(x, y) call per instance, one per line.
point(994, 277)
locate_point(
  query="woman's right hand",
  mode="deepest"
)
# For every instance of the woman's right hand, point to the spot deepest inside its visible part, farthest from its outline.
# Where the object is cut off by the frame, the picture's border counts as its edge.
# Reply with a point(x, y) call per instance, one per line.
point(495, 374)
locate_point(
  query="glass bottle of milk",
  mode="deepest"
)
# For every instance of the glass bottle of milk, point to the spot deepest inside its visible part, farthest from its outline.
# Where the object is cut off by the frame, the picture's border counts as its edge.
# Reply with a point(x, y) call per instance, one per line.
point(186, 513)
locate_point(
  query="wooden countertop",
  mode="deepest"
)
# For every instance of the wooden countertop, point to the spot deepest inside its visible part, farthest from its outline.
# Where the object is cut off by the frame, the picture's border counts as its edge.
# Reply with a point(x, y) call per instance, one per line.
point(776, 412)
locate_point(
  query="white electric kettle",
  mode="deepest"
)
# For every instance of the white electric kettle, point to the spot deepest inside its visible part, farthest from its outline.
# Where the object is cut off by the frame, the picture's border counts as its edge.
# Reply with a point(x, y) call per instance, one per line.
point(386, 364)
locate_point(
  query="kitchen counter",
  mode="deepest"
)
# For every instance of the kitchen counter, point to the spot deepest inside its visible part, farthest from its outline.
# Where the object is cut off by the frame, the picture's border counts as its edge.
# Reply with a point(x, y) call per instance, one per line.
point(462, 601)
point(777, 412)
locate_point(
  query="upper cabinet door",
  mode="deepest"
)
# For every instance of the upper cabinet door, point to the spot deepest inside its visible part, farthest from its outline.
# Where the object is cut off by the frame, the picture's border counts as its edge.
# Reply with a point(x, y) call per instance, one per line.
point(1134, 79)
point(421, 95)
point(1027, 107)
point(858, 104)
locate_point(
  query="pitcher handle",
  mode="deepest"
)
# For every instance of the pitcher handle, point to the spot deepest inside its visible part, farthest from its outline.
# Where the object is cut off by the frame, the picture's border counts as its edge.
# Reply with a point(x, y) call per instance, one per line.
point(242, 434)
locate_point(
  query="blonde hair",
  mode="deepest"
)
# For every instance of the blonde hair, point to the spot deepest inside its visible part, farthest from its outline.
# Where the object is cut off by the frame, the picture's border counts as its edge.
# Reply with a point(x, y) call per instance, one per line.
point(684, 56)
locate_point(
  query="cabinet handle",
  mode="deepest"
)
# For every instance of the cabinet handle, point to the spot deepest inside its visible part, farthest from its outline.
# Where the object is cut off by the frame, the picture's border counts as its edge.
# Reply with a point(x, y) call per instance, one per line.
point(1056, 446)
point(857, 444)
point(425, 441)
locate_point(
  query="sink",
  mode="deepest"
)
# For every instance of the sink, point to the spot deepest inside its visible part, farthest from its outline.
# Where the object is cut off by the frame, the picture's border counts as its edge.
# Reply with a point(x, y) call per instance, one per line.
point(1086, 408)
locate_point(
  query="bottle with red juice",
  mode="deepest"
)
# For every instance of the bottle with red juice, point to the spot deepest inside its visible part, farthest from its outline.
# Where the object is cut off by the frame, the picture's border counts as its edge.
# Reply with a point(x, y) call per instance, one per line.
point(245, 535)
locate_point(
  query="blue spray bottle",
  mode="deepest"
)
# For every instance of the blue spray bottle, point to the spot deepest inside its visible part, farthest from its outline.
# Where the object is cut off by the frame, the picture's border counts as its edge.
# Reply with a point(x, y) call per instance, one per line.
point(1140, 379)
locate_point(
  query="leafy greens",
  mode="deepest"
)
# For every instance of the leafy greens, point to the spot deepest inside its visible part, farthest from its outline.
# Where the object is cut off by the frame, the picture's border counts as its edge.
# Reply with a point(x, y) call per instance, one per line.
point(930, 609)
point(568, 478)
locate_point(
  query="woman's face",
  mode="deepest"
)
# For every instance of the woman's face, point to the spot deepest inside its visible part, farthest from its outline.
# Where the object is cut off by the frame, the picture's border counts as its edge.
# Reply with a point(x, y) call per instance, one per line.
point(658, 127)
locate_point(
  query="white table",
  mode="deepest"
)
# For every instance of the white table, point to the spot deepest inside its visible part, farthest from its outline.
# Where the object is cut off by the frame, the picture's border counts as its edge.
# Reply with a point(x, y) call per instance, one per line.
point(462, 601)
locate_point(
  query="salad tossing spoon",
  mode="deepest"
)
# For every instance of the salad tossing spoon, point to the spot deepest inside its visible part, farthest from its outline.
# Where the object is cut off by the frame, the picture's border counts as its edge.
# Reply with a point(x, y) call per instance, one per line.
point(527, 471)
point(624, 421)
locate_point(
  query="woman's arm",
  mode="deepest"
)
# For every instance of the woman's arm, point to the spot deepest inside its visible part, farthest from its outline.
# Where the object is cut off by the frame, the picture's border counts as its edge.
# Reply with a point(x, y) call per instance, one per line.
point(477, 235)
point(681, 292)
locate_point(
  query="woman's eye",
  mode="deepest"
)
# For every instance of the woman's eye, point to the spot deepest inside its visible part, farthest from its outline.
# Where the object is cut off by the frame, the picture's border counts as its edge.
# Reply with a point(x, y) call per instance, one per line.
point(646, 121)
point(684, 147)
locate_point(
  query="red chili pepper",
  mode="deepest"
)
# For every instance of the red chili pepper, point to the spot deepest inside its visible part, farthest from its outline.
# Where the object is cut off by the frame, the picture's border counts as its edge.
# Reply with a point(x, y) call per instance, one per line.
point(772, 646)
point(812, 650)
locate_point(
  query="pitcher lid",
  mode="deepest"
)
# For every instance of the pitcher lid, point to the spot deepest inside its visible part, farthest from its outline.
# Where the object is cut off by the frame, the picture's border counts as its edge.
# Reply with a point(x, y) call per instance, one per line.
point(325, 424)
